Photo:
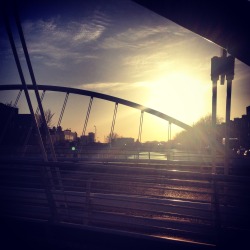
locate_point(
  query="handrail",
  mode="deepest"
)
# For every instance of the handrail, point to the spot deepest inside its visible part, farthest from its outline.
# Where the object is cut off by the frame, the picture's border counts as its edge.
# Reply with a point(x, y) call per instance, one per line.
point(145, 198)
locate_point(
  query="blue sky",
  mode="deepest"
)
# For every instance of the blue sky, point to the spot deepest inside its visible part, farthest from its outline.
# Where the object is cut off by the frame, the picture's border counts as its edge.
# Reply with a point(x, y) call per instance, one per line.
point(121, 49)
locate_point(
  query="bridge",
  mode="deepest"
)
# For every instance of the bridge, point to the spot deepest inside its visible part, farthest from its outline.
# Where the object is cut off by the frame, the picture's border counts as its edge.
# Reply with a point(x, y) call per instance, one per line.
point(114, 197)
point(122, 196)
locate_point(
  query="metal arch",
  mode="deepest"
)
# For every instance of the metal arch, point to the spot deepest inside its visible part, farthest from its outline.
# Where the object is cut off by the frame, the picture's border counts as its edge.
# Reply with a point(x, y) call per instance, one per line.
point(101, 96)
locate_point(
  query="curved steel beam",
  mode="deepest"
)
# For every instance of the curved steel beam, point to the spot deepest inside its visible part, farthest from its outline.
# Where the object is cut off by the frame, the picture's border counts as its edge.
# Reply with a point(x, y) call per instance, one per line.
point(100, 96)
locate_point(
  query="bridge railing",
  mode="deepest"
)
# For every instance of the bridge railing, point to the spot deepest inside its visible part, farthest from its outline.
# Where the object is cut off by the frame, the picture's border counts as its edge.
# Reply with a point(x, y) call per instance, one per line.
point(149, 200)
point(111, 153)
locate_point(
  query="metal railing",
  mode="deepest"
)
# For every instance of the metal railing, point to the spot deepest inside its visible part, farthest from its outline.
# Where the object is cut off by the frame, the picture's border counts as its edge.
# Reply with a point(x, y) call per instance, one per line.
point(139, 198)
point(88, 152)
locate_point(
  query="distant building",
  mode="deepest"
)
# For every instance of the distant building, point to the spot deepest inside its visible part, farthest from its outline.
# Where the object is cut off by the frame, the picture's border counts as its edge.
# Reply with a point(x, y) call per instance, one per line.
point(57, 135)
point(69, 136)
point(91, 137)
point(19, 129)
point(15, 129)
point(87, 139)
point(239, 130)
point(6, 111)
point(61, 136)
point(123, 141)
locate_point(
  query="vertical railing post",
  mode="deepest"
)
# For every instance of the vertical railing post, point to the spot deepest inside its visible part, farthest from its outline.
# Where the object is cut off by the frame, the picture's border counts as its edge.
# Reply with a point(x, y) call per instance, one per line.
point(216, 208)
point(215, 72)
point(47, 180)
point(229, 77)
point(88, 202)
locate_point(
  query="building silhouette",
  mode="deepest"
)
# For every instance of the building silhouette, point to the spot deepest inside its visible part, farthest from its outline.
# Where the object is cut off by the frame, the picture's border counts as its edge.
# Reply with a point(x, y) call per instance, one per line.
point(19, 129)
point(239, 131)
point(87, 139)
point(14, 127)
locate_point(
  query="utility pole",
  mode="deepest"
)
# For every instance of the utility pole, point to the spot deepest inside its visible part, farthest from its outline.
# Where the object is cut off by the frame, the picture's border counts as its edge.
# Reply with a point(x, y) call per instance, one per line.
point(214, 77)
point(229, 77)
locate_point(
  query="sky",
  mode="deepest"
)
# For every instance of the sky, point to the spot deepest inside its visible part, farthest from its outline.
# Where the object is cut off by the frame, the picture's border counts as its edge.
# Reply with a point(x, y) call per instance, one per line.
point(119, 48)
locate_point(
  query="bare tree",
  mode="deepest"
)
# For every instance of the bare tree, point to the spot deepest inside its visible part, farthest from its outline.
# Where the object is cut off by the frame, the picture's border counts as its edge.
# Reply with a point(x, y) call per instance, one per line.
point(199, 136)
point(48, 117)
point(112, 138)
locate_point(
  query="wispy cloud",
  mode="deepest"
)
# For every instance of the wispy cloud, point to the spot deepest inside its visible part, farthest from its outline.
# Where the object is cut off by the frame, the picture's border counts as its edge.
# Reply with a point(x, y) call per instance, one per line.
point(142, 37)
point(113, 87)
point(55, 41)
point(88, 32)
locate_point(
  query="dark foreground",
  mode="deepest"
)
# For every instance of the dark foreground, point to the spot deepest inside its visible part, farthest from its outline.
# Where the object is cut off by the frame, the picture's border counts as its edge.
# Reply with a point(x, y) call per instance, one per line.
point(18, 234)
point(122, 206)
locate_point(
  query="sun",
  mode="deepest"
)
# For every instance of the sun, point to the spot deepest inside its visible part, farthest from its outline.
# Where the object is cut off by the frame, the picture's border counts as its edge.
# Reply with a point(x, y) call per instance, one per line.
point(179, 95)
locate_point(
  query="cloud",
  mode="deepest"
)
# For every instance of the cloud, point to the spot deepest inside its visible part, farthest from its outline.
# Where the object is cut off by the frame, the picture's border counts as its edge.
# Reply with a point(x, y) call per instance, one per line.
point(88, 32)
point(142, 36)
point(113, 87)
point(55, 42)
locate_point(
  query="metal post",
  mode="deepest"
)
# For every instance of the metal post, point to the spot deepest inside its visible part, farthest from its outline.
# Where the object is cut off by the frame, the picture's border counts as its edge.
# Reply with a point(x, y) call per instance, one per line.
point(214, 115)
point(228, 111)
point(20, 31)
point(215, 72)
point(229, 77)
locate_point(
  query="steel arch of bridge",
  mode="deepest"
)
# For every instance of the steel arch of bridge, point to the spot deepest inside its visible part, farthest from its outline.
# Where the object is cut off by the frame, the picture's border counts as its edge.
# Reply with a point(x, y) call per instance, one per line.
point(100, 96)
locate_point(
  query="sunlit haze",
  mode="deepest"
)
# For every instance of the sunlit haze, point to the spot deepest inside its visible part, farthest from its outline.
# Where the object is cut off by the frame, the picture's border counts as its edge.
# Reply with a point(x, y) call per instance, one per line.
point(121, 49)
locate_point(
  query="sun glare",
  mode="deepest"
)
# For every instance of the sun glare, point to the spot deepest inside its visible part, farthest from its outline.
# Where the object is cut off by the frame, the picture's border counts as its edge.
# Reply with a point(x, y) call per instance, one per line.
point(179, 95)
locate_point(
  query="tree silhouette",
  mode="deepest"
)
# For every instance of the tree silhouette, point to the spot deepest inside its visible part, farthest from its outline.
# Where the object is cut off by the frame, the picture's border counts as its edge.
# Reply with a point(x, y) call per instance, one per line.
point(48, 117)
point(199, 136)
point(112, 138)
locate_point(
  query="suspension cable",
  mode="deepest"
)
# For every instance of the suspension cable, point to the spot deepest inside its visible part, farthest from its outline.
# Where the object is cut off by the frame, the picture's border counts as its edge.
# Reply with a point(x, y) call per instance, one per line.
point(63, 108)
point(140, 127)
point(169, 131)
point(87, 116)
point(113, 124)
